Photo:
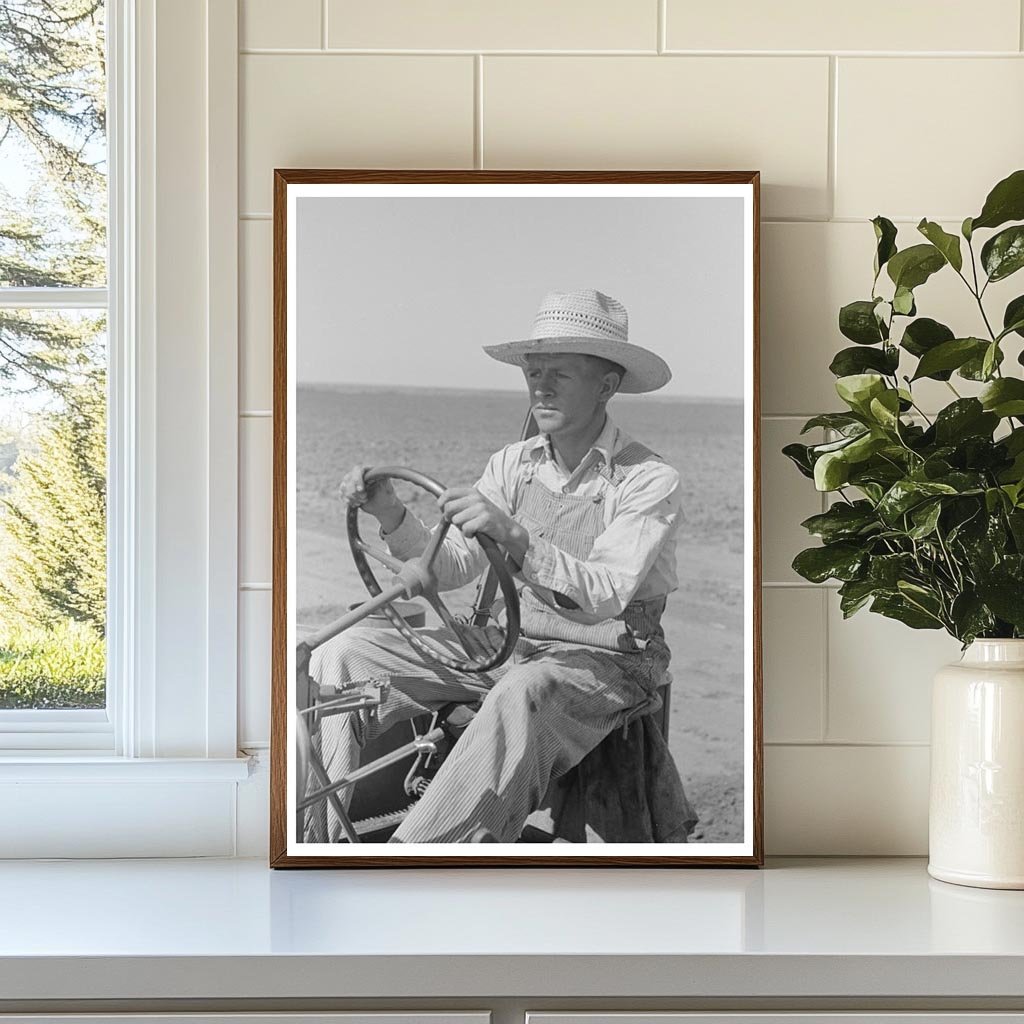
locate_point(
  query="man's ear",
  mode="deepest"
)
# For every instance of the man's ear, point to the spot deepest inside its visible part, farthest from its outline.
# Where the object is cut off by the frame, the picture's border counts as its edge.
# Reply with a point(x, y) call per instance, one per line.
point(609, 385)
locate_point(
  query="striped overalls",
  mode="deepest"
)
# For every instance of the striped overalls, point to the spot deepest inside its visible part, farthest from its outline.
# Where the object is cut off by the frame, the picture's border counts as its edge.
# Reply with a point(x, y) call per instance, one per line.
point(566, 687)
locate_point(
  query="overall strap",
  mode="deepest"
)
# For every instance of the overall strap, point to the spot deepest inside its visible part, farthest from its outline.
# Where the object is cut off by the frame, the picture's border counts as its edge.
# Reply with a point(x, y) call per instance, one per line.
point(633, 454)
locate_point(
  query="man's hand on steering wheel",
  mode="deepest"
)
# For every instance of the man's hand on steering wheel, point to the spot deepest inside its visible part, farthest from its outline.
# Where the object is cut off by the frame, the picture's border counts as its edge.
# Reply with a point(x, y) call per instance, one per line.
point(472, 513)
point(377, 498)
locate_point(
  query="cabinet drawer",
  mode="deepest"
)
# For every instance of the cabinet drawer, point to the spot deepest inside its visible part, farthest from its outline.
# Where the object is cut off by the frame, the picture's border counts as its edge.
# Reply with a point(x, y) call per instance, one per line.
point(852, 1017)
point(357, 1017)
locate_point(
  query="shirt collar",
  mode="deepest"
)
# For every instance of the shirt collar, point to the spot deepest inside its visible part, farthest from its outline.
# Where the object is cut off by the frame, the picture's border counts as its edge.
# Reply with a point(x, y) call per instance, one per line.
point(607, 443)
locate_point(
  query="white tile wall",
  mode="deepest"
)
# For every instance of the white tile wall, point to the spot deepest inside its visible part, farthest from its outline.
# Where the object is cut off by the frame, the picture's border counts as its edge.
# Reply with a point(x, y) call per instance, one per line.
point(255, 510)
point(971, 110)
point(260, 24)
point(330, 110)
point(255, 312)
point(471, 25)
point(653, 112)
point(876, 25)
point(838, 138)
point(254, 624)
point(794, 663)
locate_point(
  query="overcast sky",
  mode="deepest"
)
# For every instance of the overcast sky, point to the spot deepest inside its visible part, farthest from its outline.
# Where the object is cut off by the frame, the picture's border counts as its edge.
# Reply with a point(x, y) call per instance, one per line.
point(405, 290)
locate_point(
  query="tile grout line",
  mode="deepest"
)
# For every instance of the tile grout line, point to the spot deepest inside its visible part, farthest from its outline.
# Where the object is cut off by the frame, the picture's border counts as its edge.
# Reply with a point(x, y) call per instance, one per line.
point(854, 744)
point(823, 724)
point(833, 134)
point(768, 55)
point(662, 29)
point(1020, 25)
point(323, 24)
point(826, 651)
point(478, 111)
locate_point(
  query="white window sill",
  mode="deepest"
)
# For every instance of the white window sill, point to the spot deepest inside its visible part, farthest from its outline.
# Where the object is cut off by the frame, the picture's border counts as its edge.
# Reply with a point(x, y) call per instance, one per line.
point(81, 767)
point(79, 806)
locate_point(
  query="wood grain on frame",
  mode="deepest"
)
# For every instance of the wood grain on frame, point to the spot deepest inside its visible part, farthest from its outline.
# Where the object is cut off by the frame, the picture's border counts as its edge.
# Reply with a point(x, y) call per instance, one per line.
point(279, 684)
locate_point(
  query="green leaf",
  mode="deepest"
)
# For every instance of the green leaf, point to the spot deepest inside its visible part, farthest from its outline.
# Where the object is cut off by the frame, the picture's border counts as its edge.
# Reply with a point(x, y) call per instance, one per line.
point(854, 595)
point(925, 518)
point(887, 570)
point(912, 267)
point(857, 321)
point(1004, 397)
point(799, 455)
point(990, 361)
point(831, 471)
point(899, 608)
point(885, 237)
point(923, 335)
point(849, 361)
point(950, 355)
point(966, 417)
point(971, 617)
point(1003, 254)
point(906, 494)
point(885, 409)
point(965, 229)
point(903, 302)
point(865, 446)
point(843, 521)
point(858, 389)
point(1013, 317)
point(1005, 596)
point(1005, 202)
point(842, 561)
point(974, 368)
point(947, 244)
point(842, 421)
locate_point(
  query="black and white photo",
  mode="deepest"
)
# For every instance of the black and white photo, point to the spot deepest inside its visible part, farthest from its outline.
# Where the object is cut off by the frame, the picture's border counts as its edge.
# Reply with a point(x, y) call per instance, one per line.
point(516, 564)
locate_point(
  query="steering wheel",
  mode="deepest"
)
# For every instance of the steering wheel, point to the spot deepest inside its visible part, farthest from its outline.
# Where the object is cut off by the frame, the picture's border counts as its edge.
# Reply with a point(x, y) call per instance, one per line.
point(417, 577)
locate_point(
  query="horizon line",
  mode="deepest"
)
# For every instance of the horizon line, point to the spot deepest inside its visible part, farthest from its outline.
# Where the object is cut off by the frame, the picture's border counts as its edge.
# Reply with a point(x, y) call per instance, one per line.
point(356, 385)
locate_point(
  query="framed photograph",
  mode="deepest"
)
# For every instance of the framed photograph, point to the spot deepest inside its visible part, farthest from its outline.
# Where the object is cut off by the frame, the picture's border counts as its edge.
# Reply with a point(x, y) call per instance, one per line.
point(516, 614)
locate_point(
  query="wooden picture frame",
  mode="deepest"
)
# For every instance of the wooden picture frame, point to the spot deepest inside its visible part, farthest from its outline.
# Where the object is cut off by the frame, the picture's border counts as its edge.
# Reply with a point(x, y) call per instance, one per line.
point(342, 296)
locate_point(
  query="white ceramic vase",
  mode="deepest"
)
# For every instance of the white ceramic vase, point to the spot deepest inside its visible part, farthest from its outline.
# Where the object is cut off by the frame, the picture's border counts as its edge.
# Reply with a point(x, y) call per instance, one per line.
point(976, 813)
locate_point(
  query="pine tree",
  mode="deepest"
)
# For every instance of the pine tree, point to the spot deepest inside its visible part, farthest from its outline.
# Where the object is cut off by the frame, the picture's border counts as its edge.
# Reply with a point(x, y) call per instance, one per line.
point(53, 121)
point(53, 234)
point(53, 519)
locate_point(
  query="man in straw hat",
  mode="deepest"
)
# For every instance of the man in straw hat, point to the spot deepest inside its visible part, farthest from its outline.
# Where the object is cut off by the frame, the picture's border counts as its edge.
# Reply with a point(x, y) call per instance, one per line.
point(589, 516)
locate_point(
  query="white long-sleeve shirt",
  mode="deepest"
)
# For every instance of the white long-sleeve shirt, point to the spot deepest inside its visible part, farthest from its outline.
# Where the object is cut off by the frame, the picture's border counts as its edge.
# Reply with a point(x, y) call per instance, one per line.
point(634, 557)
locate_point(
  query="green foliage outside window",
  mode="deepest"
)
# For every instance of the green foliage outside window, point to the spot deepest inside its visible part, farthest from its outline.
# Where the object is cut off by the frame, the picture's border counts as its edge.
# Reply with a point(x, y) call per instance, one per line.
point(52, 364)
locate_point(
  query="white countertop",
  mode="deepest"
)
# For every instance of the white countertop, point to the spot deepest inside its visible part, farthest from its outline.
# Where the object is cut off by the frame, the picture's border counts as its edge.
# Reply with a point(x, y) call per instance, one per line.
point(234, 928)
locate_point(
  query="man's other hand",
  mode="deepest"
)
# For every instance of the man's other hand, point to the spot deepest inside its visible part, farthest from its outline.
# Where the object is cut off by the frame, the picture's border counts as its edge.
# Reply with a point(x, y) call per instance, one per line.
point(472, 513)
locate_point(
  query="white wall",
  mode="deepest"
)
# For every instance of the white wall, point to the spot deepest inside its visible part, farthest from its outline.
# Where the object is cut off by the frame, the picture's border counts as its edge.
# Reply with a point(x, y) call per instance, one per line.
point(907, 109)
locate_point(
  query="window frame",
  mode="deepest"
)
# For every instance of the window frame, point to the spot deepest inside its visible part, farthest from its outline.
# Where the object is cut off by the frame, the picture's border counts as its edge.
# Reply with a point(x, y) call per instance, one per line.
point(167, 771)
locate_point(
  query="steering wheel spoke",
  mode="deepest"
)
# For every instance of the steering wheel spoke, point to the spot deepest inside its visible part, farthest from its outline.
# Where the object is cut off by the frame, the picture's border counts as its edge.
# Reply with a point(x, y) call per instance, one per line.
point(384, 557)
point(437, 536)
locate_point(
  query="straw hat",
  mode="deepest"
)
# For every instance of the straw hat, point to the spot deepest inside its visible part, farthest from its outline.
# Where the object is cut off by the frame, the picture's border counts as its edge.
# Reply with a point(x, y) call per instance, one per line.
point(587, 322)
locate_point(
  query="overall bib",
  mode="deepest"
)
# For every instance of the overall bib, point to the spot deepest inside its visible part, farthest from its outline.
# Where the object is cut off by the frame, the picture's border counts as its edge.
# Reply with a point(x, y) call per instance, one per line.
point(566, 687)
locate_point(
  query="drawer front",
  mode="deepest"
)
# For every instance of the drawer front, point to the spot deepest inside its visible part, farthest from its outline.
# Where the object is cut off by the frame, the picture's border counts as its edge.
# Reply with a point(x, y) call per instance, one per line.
point(359, 1017)
point(933, 1017)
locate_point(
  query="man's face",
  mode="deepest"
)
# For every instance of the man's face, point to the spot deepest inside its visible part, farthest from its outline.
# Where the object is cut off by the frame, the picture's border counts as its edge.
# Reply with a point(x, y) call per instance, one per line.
point(565, 391)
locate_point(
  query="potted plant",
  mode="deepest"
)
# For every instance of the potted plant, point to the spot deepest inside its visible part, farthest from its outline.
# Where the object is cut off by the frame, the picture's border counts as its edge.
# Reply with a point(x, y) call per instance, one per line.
point(927, 521)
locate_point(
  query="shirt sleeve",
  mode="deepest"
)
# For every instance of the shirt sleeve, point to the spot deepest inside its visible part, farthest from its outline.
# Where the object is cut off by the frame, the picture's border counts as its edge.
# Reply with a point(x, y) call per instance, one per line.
point(646, 515)
point(459, 560)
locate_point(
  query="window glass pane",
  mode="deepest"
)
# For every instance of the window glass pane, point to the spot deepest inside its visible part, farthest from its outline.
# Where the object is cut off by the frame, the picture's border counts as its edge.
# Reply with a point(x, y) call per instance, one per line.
point(53, 151)
point(52, 508)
